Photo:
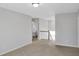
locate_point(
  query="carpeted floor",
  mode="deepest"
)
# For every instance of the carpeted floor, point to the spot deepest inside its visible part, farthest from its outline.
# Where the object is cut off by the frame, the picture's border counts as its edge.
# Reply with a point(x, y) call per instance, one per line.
point(44, 48)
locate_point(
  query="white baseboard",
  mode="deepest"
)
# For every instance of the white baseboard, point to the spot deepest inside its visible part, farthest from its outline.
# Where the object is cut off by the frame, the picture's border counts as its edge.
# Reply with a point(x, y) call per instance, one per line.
point(29, 42)
point(67, 45)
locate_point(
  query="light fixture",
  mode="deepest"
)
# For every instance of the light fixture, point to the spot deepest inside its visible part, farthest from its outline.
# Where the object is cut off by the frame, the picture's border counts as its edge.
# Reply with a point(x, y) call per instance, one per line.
point(35, 4)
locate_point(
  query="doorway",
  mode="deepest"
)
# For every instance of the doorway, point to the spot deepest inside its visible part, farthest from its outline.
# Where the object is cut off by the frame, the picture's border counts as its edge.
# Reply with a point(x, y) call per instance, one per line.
point(35, 29)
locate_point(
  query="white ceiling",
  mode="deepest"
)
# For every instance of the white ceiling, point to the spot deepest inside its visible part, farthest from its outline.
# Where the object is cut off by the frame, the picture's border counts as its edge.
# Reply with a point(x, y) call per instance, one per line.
point(45, 10)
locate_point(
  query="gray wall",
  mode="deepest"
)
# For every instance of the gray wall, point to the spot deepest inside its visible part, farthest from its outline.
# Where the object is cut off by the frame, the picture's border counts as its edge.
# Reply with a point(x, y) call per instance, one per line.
point(66, 29)
point(78, 29)
point(15, 30)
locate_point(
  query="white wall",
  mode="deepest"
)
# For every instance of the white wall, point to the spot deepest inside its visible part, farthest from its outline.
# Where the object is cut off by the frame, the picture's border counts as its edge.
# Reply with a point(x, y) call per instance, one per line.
point(43, 25)
point(66, 29)
point(43, 28)
point(52, 23)
point(15, 30)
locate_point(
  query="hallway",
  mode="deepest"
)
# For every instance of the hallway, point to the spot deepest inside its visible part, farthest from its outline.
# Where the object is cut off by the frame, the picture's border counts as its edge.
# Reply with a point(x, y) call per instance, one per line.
point(44, 48)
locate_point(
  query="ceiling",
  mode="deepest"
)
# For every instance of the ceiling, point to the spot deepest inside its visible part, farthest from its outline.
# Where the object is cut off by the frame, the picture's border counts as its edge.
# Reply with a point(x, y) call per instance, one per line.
point(45, 10)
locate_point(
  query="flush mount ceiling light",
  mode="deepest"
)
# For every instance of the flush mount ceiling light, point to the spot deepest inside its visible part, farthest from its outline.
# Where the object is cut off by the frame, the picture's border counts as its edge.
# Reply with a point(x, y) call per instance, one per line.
point(35, 4)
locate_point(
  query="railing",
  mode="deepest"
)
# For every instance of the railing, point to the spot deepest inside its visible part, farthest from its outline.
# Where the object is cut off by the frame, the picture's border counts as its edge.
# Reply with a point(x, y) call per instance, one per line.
point(51, 35)
point(43, 34)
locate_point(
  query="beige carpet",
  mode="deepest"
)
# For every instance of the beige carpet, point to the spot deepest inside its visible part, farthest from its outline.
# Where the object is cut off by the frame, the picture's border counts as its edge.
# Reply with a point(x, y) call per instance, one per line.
point(44, 48)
